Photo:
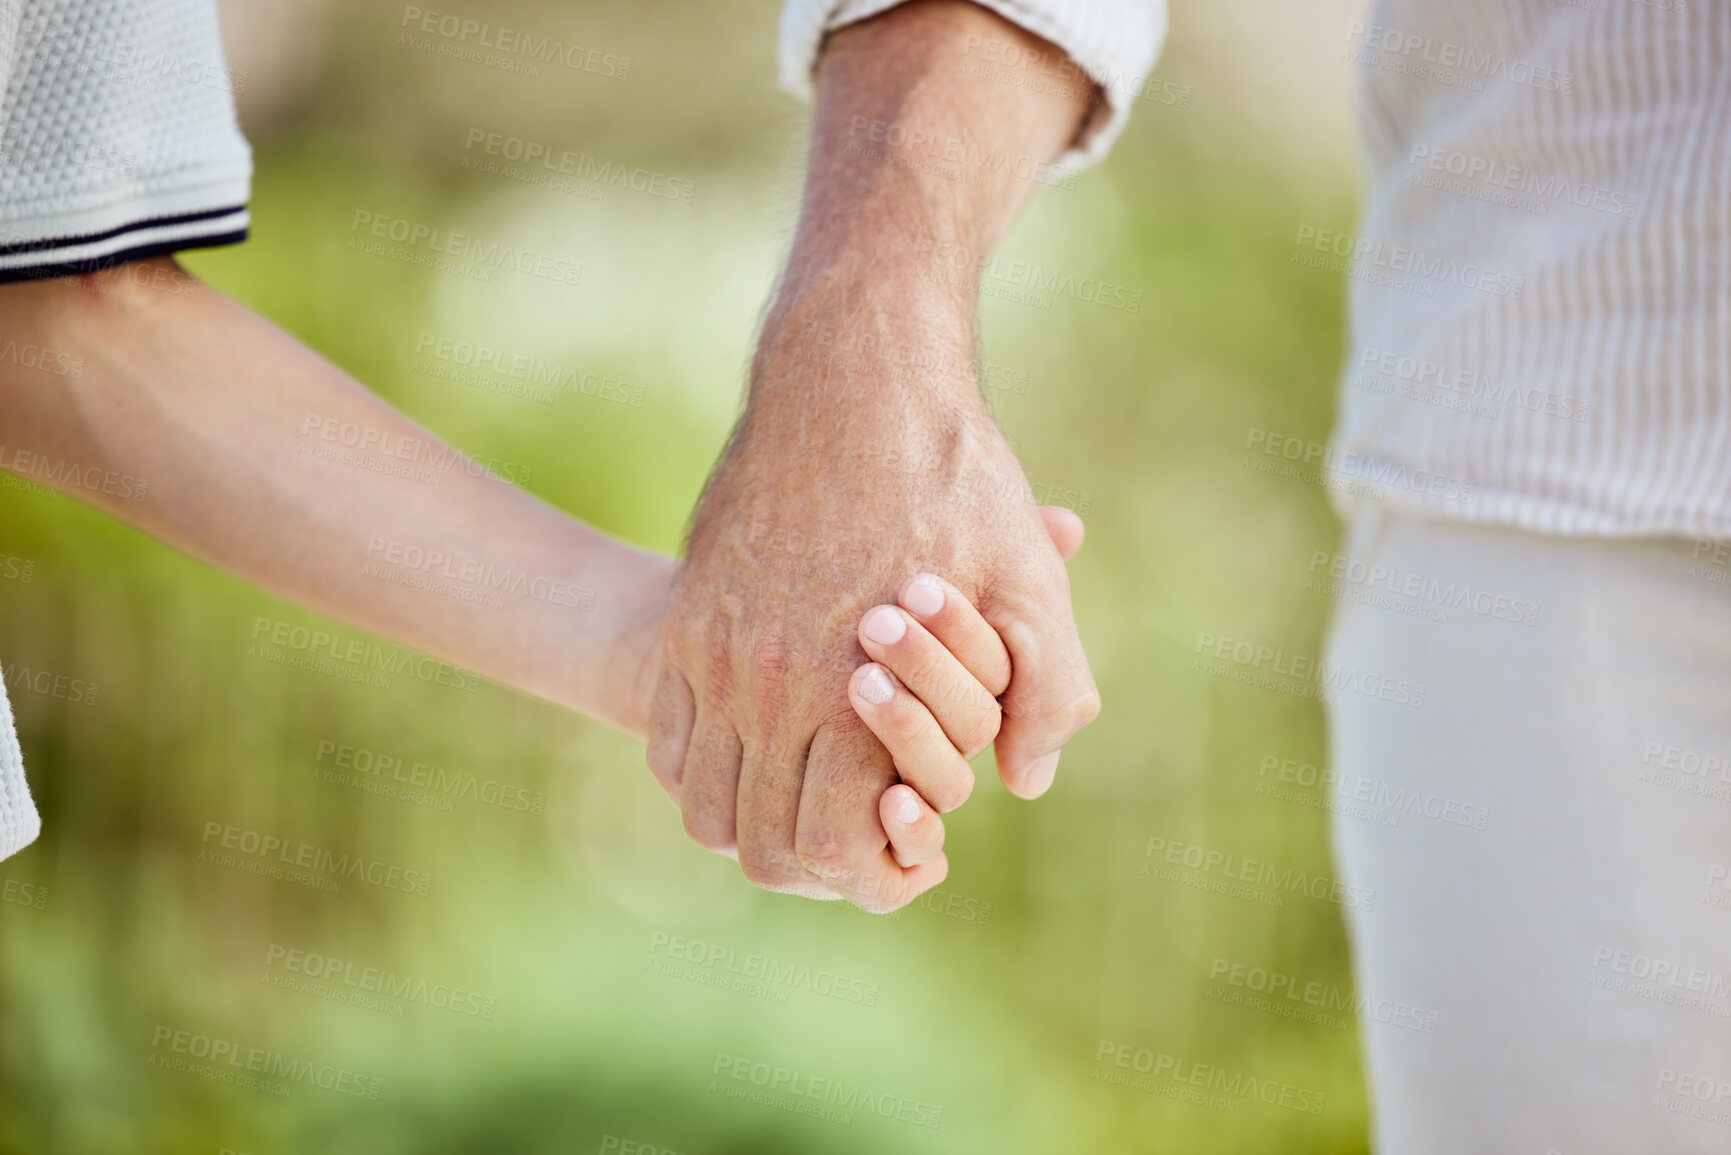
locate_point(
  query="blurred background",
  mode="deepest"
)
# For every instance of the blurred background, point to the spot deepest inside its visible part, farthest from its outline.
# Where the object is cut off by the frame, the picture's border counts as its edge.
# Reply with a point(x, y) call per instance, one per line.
point(578, 976)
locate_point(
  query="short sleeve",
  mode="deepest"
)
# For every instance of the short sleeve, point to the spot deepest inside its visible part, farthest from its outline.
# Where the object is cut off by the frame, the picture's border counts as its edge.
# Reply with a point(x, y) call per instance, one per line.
point(118, 136)
point(1115, 42)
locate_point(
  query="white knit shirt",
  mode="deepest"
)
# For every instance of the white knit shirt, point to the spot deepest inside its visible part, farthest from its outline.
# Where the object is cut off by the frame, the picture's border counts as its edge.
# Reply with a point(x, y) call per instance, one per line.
point(1540, 286)
point(118, 137)
point(118, 140)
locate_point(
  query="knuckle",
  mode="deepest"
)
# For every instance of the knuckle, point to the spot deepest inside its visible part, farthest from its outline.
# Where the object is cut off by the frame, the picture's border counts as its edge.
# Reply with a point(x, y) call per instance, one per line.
point(903, 721)
point(708, 832)
point(978, 731)
point(769, 868)
point(926, 667)
point(772, 662)
point(831, 862)
point(823, 854)
point(1082, 711)
point(665, 759)
point(1063, 720)
point(952, 789)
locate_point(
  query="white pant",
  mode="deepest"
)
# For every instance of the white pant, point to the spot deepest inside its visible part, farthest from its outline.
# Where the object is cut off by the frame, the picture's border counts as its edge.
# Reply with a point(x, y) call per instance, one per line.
point(1577, 948)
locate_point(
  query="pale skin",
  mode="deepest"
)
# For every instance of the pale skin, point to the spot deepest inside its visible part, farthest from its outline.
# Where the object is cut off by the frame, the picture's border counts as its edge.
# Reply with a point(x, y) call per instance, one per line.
point(873, 475)
point(765, 683)
point(223, 416)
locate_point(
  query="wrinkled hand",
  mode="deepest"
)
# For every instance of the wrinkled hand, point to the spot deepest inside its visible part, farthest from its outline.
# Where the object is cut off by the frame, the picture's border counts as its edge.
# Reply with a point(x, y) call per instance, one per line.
point(842, 479)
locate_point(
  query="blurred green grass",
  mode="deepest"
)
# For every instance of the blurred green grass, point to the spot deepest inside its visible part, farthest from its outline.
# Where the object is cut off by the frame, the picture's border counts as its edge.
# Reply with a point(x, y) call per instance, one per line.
point(997, 1021)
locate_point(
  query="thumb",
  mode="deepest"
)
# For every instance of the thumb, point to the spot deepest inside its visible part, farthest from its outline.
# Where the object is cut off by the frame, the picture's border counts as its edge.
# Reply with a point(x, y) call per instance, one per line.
point(1065, 527)
point(670, 723)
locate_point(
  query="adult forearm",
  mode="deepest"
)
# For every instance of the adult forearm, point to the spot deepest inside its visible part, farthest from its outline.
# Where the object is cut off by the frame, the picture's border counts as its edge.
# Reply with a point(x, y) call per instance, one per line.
point(866, 454)
point(918, 164)
point(246, 449)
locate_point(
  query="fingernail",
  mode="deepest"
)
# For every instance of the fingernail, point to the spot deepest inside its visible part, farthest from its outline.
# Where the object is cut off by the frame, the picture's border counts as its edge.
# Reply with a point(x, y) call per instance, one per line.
point(925, 596)
point(885, 626)
point(908, 809)
point(1041, 771)
point(875, 687)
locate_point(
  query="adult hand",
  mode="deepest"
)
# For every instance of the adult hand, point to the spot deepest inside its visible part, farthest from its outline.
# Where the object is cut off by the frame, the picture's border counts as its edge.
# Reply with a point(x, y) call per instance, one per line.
point(866, 454)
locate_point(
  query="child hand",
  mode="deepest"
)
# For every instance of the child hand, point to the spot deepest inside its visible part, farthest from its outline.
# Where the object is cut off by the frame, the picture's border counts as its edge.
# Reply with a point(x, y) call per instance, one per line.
point(930, 695)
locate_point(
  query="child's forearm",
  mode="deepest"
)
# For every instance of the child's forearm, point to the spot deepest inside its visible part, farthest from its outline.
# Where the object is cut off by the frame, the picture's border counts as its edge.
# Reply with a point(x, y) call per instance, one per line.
point(202, 424)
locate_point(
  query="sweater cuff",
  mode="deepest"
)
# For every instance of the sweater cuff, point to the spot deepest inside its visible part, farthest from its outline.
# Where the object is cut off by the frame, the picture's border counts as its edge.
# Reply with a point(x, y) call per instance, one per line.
point(1115, 42)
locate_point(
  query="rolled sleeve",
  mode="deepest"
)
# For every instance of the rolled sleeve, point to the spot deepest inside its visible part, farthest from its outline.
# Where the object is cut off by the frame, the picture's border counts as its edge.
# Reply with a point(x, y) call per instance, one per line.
point(1114, 41)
